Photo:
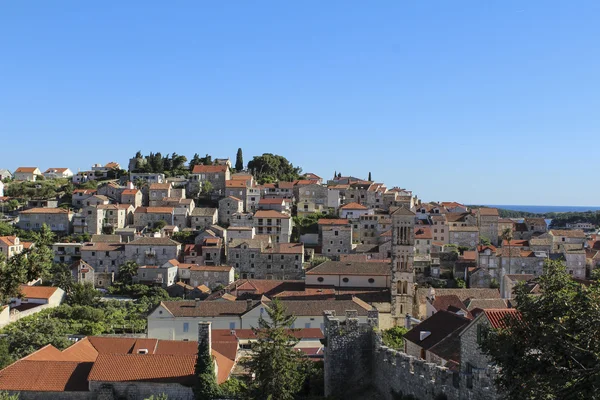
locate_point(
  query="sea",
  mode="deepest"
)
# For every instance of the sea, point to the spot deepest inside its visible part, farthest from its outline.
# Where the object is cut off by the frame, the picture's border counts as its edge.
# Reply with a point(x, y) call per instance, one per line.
point(546, 209)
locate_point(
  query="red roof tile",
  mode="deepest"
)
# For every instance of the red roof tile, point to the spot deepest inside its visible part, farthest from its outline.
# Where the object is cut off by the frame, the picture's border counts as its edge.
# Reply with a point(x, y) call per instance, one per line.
point(37, 292)
point(353, 206)
point(208, 169)
point(497, 317)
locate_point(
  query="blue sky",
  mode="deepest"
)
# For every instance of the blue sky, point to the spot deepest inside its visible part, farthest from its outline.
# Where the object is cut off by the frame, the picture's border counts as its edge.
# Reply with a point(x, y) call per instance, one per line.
point(479, 102)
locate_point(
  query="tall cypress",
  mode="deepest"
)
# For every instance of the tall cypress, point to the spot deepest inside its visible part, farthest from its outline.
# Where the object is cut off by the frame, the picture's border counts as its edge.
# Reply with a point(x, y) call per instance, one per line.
point(239, 160)
point(369, 176)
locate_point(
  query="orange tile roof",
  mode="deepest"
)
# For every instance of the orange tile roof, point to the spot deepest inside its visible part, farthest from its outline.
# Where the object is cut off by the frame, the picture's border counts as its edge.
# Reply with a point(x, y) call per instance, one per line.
point(238, 184)
point(208, 169)
point(8, 240)
point(45, 376)
point(83, 350)
point(112, 164)
point(160, 186)
point(498, 316)
point(353, 206)
point(277, 200)
point(59, 170)
point(46, 353)
point(37, 292)
point(154, 210)
point(488, 212)
point(423, 233)
point(144, 367)
point(270, 214)
point(130, 191)
point(26, 169)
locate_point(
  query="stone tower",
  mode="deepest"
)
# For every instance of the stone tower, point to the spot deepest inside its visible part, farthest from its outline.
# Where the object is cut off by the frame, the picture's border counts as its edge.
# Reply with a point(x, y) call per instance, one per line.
point(403, 275)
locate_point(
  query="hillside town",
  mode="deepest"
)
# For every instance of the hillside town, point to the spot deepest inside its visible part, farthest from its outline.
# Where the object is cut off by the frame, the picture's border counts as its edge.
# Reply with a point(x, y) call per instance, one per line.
point(218, 242)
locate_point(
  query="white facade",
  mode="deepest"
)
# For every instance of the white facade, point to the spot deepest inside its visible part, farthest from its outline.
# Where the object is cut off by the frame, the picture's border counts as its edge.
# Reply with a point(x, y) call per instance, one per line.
point(345, 280)
point(1, 189)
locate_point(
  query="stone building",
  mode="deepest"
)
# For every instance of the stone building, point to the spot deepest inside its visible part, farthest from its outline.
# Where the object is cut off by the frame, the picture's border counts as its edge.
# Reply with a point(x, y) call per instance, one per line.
point(403, 275)
point(104, 257)
point(259, 258)
point(203, 217)
point(242, 219)
point(132, 196)
point(354, 211)
point(369, 226)
point(217, 175)
point(487, 219)
point(157, 192)
point(80, 196)
point(66, 253)
point(82, 272)
point(350, 274)
point(276, 204)
point(335, 239)
point(439, 229)
point(275, 224)
point(57, 219)
point(152, 251)
point(209, 251)
point(562, 237)
point(311, 199)
point(106, 218)
point(238, 188)
point(146, 217)
point(210, 276)
point(229, 206)
point(466, 236)
point(147, 177)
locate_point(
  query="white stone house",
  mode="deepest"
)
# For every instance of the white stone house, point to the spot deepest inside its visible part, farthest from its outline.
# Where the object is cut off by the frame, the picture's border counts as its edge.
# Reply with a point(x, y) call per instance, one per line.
point(354, 274)
point(54, 173)
point(27, 174)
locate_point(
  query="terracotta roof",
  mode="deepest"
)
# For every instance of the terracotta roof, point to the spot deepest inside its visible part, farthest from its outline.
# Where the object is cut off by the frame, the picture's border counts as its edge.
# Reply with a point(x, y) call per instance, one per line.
point(27, 170)
point(237, 184)
point(469, 256)
point(331, 221)
point(208, 169)
point(488, 212)
point(498, 316)
point(160, 186)
point(440, 325)
point(46, 211)
point(59, 170)
point(154, 210)
point(37, 292)
point(189, 308)
point(224, 366)
point(423, 233)
point(209, 268)
point(463, 229)
point(83, 350)
point(270, 214)
point(353, 206)
point(143, 367)
point(272, 201)
point(46, 353)
point(8, 240)
point(450, 303)
point(284, 248)
point(516, 242)
point(245, 334)
point(463, 294)
point(130, 192)
point(285, 185)
point(350, 268)
point(85, 191)
point(457, 217)
point(45, 376)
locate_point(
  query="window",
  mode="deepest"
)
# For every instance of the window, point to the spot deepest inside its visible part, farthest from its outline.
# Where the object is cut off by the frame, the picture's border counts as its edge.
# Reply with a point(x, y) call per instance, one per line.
point(186, 326)
point(93, 253)
point(336, 233)
point(232, 325)
point(107, 254)
point(282, 257)
point(479, 333)
point(268, 266)
point(252, 266)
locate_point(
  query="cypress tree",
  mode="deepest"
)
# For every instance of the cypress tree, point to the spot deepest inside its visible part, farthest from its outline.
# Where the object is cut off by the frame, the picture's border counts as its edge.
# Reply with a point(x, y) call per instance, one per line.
point(239, 160)
point(369, 177)
point(206, 379)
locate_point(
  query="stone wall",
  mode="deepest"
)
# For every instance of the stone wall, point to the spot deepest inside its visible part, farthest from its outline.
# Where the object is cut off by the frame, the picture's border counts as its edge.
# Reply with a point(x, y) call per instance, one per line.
point(355, 359)
point(55, 395)
point(139, 390)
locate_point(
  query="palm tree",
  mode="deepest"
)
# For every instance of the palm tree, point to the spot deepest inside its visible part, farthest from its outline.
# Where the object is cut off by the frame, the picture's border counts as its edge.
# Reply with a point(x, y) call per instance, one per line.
point(127, 271)
point(139, 183)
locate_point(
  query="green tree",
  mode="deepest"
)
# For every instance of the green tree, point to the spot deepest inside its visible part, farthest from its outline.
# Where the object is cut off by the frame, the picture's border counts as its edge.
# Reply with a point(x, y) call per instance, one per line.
point(127, 271)
point(195, 161)
point(5, 357)
point(271, 167)
point(233, 388)
point(62, 278)
point(161, 396)
point(280, 371)
point(239, 160)
point(8, 396)
point(394, 337)
point(206, 379)
point(6, 229)
point(83, 294)
point(550, 351)
point(207, 188)
point(484, 241)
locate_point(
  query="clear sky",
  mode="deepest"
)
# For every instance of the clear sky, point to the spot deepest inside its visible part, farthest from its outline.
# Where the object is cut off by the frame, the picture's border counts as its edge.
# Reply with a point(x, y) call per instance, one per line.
point(475, 101)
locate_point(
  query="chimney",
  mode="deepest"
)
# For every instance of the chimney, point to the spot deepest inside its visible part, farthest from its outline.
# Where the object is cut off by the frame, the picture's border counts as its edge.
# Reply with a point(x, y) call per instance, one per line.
point(248, 304)
point(197, 302)
point(407, 323)
point(204, 334)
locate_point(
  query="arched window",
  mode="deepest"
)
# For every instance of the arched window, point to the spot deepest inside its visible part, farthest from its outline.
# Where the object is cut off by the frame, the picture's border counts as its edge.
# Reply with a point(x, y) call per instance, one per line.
point(399, 287)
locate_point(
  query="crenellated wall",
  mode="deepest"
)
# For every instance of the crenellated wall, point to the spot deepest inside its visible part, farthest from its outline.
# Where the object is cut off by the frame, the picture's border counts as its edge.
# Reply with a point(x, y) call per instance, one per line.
point(355, 358)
